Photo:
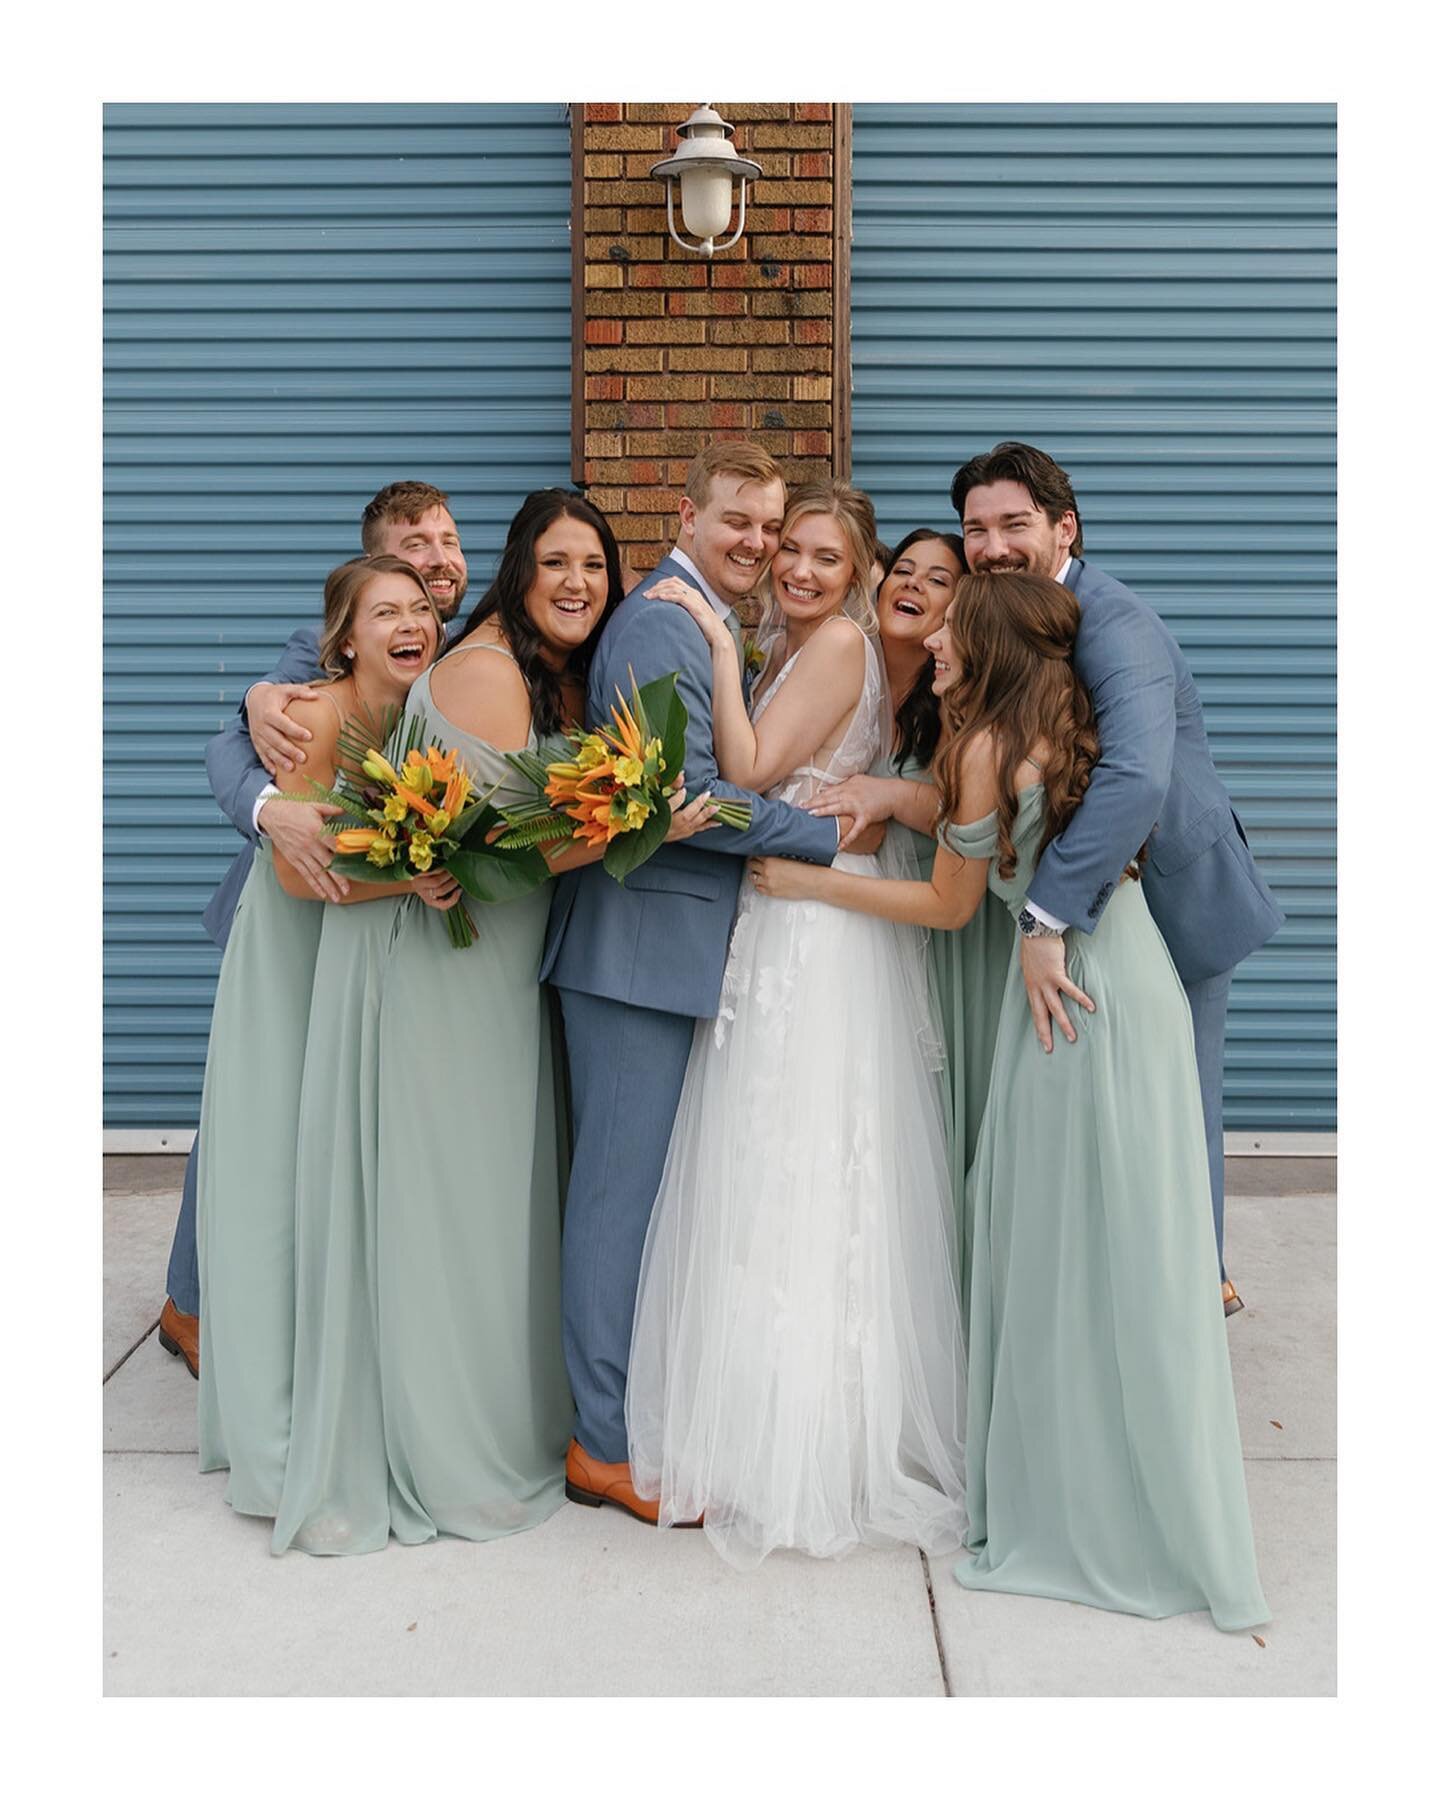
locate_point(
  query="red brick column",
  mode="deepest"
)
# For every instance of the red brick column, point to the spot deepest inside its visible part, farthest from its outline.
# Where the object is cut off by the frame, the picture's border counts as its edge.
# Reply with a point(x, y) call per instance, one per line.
point(672, 349)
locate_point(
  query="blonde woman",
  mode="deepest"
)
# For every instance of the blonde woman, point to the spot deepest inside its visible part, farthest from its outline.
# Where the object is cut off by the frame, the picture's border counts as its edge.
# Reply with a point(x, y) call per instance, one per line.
point(796, 1370)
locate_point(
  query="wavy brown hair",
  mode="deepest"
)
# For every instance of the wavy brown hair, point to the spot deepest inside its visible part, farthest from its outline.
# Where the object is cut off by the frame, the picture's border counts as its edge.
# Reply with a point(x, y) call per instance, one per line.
point(1014, 638)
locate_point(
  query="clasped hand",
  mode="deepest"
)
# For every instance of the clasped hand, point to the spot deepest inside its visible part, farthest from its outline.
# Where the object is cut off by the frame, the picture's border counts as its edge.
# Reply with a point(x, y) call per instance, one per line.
point(680, 593)
point(863, 800)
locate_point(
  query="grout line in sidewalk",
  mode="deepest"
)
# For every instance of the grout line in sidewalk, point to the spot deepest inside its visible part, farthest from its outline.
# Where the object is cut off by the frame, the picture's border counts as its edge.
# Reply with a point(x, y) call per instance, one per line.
point(1295, 1459)
point(935, 1627)
point(140, 1450)
point(129, 1353)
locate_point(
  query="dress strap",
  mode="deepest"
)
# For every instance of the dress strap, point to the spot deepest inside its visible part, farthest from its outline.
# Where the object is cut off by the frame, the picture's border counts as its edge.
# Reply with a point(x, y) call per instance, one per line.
point(325, 691)
point(483, 644)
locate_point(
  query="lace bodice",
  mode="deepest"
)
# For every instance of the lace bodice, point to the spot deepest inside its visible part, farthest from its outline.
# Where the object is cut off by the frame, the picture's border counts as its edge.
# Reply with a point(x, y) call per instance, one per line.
point(856, 750)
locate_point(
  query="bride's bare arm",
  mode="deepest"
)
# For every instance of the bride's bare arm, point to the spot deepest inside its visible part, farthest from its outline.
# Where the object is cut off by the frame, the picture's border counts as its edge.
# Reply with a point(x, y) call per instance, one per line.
point(819, 692)
point(821, 689)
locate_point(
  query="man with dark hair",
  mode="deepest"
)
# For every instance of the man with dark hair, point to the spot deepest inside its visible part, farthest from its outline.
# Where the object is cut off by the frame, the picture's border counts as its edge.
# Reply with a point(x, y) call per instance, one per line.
point(1155, 783)
point(408, 519)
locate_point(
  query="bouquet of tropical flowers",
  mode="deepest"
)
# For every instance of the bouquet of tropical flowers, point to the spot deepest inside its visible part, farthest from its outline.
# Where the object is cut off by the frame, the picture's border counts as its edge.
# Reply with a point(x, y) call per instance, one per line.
point(610, 786)
point(420, 812)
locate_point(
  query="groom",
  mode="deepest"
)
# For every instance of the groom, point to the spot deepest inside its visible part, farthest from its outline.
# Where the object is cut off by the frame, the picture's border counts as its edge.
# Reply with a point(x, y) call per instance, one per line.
point(637, 966)
point(1155, 783)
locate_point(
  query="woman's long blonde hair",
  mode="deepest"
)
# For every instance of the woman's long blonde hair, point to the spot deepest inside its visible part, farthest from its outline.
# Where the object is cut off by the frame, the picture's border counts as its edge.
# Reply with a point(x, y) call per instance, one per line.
point(853, 510)
point(1014, 639)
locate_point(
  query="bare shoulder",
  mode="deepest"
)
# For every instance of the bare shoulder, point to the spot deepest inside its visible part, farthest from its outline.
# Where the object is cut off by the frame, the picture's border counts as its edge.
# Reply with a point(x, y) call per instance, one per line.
point(322, 710)
point(839, 643)
point(482, 692)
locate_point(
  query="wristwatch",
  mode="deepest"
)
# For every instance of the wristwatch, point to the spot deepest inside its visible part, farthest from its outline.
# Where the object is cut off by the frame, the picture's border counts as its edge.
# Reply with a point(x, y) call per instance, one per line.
point(1031, 927)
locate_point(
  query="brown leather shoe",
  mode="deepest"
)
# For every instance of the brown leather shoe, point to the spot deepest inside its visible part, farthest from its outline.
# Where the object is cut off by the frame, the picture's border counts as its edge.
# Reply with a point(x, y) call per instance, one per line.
point(592, 1483)
point(180, 1335)
point(1230, 1300)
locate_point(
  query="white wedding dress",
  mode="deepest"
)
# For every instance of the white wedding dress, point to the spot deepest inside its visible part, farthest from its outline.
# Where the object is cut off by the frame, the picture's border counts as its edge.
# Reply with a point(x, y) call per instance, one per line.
point(797, 1371)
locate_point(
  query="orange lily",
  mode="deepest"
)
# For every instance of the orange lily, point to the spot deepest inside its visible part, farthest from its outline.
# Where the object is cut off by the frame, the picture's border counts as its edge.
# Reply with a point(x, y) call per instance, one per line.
point(356, 839)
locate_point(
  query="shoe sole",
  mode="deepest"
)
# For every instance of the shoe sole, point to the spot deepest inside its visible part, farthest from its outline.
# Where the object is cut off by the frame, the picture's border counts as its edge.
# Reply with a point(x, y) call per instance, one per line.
point(584, 1497)
point(168, 1343)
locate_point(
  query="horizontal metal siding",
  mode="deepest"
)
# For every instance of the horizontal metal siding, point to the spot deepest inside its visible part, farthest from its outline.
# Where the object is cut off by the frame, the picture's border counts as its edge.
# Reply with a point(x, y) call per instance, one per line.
point(301, 304)
point(1148, 292)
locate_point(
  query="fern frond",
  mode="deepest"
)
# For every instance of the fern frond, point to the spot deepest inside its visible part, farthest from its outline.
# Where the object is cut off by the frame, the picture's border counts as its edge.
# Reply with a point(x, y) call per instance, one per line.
point(525, 834)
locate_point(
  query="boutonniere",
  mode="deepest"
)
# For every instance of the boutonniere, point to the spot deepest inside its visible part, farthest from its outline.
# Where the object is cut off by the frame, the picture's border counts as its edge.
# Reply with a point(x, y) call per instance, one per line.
point(754, 655)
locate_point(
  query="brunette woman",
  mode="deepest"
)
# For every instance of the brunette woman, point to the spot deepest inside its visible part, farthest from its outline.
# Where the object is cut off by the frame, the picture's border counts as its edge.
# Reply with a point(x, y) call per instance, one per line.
point(1103, 1453)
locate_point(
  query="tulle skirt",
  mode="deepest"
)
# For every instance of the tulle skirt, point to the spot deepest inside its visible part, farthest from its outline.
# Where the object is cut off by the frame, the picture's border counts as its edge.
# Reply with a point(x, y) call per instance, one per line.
point(797, 1370)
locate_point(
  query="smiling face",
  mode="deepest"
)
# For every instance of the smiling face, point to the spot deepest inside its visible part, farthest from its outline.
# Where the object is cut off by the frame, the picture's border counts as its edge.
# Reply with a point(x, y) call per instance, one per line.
point(394, 633)
point(941, 645)
point(571, 584)
point(430, 544)
point(813, 568)
point(915, 596)
point(1005, 529)
point(732, 537)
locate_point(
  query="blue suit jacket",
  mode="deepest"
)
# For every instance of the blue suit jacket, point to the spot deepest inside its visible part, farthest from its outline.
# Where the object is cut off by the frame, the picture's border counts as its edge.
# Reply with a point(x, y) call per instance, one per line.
point(1155, 781)
point(660, 941)
point(237, 776)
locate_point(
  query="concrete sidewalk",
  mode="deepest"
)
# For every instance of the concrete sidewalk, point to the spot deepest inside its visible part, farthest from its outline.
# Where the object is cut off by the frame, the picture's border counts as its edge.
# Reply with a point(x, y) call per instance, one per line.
point(592, 1603)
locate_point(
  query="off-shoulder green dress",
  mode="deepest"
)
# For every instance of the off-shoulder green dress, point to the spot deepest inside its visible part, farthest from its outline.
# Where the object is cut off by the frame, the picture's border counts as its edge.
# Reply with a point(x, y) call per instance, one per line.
point(1103, 1453)
point(969, 968)
point(429, 1390)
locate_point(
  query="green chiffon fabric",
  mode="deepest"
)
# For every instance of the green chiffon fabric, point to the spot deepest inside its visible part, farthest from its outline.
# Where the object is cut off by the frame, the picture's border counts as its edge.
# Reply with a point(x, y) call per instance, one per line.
point(1103, 1452)
point(245, 1220)
point(970, 968)
point(429, 1388)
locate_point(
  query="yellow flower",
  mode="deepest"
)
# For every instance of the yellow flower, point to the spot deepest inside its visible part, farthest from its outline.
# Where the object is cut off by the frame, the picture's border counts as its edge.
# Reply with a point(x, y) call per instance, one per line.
point(376, 767)
point(395, 807)
point(439, 823)
point(629, 771)
point(417, 775)
point(636, 813)
point(422, 851)
point(381, 852)
point(592, 752)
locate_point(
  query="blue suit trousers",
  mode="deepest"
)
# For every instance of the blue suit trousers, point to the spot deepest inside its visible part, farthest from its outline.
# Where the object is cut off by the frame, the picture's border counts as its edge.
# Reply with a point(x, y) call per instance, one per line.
point(182, 1278)
point(627, 1067)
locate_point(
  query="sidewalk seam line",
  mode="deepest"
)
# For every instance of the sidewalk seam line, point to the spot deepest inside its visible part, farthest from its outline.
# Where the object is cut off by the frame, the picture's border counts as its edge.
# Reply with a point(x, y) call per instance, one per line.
point(935, 1628)
point(129, 1353)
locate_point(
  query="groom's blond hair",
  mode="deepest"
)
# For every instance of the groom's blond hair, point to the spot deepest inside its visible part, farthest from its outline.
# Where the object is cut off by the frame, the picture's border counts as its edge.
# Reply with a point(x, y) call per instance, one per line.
point(729, 456)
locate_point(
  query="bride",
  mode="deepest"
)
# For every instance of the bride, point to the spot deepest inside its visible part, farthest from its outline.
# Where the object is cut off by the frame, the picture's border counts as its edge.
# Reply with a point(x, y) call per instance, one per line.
point(796, 1366)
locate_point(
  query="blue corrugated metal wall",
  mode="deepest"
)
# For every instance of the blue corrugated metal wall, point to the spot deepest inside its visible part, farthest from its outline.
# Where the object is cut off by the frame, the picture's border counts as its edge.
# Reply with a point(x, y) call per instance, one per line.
point(301, 304)
point(1148, 292)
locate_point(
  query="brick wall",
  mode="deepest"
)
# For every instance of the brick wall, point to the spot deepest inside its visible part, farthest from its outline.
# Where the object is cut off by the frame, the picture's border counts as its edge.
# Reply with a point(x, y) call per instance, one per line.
point(675, 349)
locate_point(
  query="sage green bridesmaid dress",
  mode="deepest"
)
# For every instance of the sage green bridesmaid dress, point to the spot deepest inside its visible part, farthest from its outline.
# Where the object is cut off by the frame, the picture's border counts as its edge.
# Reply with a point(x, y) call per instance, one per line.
point(249, 1119)
point(969, 967)
point(1103, 1452)
point(429, 1391)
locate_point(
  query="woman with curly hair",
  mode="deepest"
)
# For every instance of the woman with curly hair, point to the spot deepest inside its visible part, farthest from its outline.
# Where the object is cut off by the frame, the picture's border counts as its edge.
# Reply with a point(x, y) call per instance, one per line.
point(1103, 1453)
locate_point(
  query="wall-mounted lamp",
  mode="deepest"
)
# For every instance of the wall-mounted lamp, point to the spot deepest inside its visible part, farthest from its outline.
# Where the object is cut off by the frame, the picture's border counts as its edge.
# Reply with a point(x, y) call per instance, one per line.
point(706, 165)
